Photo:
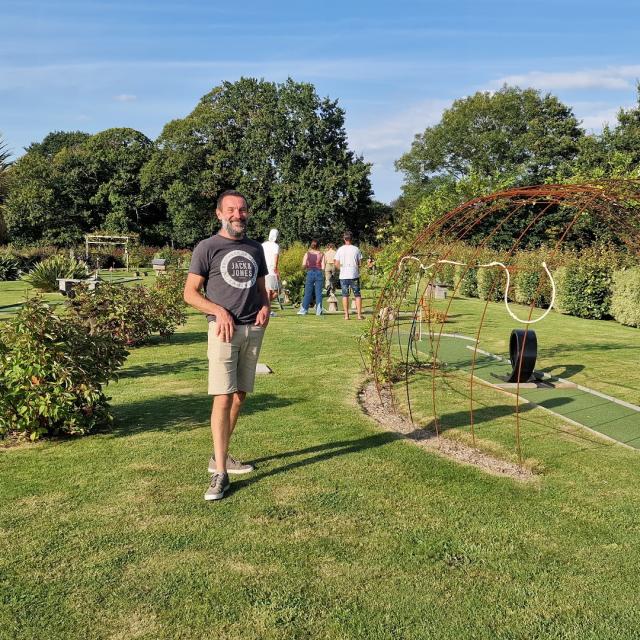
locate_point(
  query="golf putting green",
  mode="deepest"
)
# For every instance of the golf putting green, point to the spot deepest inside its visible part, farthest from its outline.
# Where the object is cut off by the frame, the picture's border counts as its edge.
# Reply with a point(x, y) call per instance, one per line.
point(621, 422)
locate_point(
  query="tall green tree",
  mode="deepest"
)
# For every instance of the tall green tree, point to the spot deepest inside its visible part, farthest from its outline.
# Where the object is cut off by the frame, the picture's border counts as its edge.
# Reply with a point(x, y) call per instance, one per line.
point(5, 154)
point(71, 183)
point(487, 142)
point(281, 144)
point(514, 135)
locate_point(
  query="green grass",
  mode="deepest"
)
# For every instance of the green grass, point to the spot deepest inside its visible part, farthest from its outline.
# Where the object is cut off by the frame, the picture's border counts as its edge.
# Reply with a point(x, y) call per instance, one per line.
point(343, 531)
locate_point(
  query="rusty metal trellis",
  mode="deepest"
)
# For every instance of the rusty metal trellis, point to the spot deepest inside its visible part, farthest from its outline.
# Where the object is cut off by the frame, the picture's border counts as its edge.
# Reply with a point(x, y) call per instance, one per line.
point(613, 203)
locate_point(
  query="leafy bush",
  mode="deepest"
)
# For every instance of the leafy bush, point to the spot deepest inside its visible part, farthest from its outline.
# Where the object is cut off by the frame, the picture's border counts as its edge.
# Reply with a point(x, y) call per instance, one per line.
point(625, 297)
point(177, 258)
point(168, 309)
point(8, 267)
point(465, 281)
point(585, 280)
point(132, 314)
point(292, 272)
point(531, 285)
point(51, 373)
point(491, 283)
point(45, 274)
point(141, 256)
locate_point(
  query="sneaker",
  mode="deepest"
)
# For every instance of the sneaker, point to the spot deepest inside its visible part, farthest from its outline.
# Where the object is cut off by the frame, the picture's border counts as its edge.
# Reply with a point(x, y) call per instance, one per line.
point(233, 466)
point(219, 484)
point(302, 312)
point(319, 310)
point(272, 314)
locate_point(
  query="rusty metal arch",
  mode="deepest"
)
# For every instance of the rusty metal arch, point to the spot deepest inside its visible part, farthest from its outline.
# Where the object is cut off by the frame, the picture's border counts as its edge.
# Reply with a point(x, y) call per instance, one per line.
point(614, 202)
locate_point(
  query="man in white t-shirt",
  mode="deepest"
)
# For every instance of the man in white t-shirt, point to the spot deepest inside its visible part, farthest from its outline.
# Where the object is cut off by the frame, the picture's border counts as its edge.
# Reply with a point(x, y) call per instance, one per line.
point(271, 253)
point(347, 260)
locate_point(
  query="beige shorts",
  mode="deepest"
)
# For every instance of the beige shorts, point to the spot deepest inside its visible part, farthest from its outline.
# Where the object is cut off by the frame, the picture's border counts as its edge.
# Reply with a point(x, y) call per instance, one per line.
point(232, 365)
point(271, 282)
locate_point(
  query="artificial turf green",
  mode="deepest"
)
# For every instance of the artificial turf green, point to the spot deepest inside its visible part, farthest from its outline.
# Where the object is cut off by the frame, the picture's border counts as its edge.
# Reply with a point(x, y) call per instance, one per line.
point(602, 415)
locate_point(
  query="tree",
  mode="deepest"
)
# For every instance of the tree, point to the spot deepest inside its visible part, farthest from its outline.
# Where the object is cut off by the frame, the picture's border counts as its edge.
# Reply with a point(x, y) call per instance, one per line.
point(56, 141)
point(511, 136)
point(488, 142)
point(280, 144)
point(72, 183)
point(4, 184)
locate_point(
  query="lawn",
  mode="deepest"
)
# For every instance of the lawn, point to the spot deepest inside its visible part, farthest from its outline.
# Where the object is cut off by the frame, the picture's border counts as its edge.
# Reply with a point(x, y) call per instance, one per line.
point(344, 530)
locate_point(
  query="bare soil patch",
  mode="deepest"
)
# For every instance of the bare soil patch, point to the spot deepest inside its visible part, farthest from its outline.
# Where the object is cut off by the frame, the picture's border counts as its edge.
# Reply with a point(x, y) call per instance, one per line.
point(380, 408)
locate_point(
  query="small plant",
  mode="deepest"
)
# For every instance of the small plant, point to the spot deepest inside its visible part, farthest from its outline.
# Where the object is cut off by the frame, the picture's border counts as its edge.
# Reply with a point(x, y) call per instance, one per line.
point(168, 309)
point(44, 276)
point(8, 267)
point(51, 373)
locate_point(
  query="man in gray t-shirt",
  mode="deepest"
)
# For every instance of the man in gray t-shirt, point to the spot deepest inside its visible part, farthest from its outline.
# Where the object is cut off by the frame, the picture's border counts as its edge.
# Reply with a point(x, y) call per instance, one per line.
point(231, 270)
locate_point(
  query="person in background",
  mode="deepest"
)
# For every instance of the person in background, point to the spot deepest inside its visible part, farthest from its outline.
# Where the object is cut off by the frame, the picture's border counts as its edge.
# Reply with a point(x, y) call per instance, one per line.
point(329, 266)
point(272, 254)
point(347, 260)
point(313, 262)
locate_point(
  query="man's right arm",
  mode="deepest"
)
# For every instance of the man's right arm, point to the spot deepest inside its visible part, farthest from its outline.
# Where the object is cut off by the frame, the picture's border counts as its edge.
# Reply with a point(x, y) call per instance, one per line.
point(193, 297)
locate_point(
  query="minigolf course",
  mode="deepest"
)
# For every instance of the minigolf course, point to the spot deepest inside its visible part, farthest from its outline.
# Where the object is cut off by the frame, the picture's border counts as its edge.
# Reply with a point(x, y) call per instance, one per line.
point(606, 415)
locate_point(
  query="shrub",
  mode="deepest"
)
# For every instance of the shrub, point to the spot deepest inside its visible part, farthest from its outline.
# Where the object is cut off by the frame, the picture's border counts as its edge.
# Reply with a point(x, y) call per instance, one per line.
point(45, 274)
point(141, 256)
point(168, 309)
point(8, 267)
point(531, 285)
point(625, 297)
point(584, 282)
point(491, 283)
point(465, 281)
point(292, 272)
point(132, 314)
point(51, 373)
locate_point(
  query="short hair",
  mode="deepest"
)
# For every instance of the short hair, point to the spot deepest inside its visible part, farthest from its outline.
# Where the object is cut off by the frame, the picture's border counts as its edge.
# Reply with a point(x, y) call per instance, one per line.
point(230, 192)
point(313, 244)
point(347, 236)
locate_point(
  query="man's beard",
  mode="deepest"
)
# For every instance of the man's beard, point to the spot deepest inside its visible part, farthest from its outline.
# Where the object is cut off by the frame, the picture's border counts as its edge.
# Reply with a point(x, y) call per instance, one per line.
point(228, 227)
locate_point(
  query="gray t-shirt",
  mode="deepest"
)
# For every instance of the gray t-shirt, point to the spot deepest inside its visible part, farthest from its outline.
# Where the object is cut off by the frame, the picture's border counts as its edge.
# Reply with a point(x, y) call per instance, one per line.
point(230, 269)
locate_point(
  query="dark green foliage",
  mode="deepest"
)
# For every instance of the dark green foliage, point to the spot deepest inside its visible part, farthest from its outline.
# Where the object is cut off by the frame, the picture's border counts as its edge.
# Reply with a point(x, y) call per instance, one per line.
point(8, 267)
point(625, 297)
point(133, 314)
point(51, 373)
point(72, 183)
point(513, 135)
point(44, 276)
point(466, 281)
point(279, 144)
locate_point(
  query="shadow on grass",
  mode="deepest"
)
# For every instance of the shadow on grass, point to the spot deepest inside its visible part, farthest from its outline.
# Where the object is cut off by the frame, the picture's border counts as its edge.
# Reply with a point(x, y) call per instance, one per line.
point(458, 419)
point(158, 369)
point(183, 412)
point(317, 453)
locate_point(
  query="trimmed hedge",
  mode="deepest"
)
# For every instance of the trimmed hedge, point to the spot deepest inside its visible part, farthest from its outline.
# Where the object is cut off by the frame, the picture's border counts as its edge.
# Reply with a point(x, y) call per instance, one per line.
point(625, 297)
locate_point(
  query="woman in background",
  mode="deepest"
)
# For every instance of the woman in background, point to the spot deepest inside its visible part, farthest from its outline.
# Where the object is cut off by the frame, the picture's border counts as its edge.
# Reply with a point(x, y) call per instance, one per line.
point(313, 262)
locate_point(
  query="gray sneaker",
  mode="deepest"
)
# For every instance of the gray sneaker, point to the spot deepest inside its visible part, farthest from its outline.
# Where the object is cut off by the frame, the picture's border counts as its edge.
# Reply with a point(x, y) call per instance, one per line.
point(234, 467)
point(219, 484)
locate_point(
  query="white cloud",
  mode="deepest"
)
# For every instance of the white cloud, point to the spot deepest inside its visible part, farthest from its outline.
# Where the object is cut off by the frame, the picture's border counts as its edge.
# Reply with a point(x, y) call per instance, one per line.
point(125, 97)
point(622, 77)
point(389, 138)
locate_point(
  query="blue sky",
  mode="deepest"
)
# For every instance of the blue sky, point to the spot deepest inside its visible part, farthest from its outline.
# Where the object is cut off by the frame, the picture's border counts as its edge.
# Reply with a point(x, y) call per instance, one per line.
point(393, 66)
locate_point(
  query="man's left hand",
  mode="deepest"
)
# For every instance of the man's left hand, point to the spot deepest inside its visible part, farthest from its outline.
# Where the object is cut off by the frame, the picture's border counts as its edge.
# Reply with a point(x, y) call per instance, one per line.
point(262, 319)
